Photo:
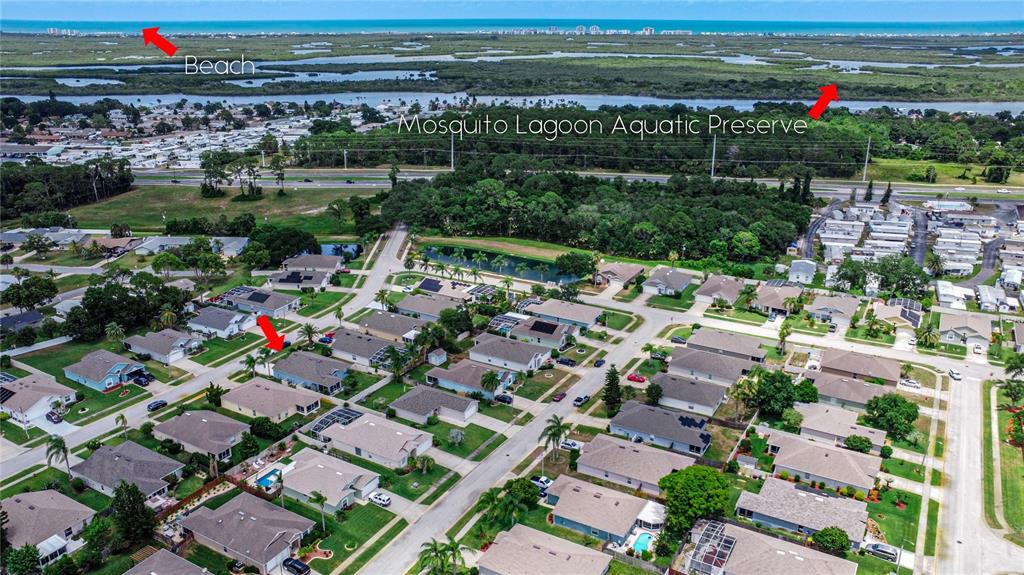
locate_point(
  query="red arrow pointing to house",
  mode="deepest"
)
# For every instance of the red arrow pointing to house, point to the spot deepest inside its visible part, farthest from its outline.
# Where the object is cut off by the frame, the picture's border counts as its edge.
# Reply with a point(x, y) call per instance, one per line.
point(828, 94)
point(152, 36)
point(274, 341)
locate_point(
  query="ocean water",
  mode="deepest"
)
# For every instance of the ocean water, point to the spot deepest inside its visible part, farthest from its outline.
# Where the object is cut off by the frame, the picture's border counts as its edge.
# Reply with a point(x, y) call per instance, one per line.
point(473, 25)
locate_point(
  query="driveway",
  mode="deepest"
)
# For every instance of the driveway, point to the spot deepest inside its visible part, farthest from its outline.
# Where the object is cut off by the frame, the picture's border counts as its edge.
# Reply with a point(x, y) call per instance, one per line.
point(62, 428)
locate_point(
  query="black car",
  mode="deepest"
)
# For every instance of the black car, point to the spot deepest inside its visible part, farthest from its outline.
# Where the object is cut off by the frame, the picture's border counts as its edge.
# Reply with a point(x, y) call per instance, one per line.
point(175, 181)
point(567, 361)
point(307, 180)
point(155, 405)
point(504, 398)
point(141, 381)
point(579, 401)
point(54, 417)
point(295, 566)
point(350, 181)
point(677, 339)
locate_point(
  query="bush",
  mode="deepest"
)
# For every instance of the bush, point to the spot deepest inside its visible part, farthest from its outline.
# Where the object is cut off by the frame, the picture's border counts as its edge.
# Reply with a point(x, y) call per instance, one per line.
point(630, 552)
point(645, 555)
point(859, 496)
point(886, 452)
point(390, 412)
point(432, 420)
point(77, 485)
point(147, 429)
point(784, 475)
point(79, 396)
point(732, 466)
point(5, 361)
point(93, 444)
point(833, 540)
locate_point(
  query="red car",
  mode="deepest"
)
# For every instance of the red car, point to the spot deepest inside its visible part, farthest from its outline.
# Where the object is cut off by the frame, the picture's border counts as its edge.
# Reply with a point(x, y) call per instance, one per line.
point(558, 396)
point(329, 334)
point(636, 377)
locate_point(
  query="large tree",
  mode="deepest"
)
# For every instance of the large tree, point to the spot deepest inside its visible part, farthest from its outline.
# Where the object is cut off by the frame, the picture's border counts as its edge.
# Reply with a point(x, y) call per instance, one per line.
point(893, 413)
point(134, 521)
point(692, 493)
point(775, 392)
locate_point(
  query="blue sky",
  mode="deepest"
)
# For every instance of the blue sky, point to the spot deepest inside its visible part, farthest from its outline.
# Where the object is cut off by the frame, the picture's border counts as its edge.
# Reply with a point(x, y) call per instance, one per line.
point(800, 10)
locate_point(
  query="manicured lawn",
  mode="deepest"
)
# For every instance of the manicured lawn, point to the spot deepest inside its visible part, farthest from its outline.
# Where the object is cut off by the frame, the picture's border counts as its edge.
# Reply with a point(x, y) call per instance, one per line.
point(904, 469)
point(19, 435)
point(647, 368)
point(361, 523)
point(861, 334)
point(219, 500)
point(679, 302)
point(615, 319)
point(735, 314)
point(371, 551)
point(499, 411)
point(803, 322)
point(363, 380)
point(473, 436)
point(91, 499)
point(898, 525)
point(411, 485)
point(345, 280)
point(870, 565)
point(208, 559)
point(489, 448)
point(383, 397)
point(923, 424)
point(987, 458)
point(407, 279)
point(217, 348)
point(1012, 464)
point(739, 484)
point(533, 389)
point(316, 302)
point(936, 480)
point(931, 529)
point(537, 518)
point(187, 487)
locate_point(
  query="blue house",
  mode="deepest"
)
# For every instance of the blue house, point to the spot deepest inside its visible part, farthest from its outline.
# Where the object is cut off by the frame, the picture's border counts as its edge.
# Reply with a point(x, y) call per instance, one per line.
point(312, 371)
point(465, 377)
point(607, 514)
point(103, 370)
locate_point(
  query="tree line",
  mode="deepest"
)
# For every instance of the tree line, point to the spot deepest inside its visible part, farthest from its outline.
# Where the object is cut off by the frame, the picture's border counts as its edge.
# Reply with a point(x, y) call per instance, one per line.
point(37, 188)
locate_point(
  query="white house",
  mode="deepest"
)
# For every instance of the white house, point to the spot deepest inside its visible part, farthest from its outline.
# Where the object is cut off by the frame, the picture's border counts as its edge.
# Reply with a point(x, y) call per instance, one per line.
point(219, 322)
point(28, 399)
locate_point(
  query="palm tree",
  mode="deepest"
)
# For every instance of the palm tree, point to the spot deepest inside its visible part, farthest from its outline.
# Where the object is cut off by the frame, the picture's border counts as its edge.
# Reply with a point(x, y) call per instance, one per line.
point(381, 297)
point(439, 268)
point(114, 331)
point(453, 550)
point(506, 283)
point(264, 354)
point(424, 261)
point(747, 294)
point(122, 422)
point(396, 362)
point(905, 369)
point(552, 435)
point(459, 254)
point(743, 392)
point(475, 274)
point(318, 499)
point(424, 463)
point(521, 268)
point(309, 331)
point(20, 274)
point(542, 269)
point(934, 263)
point(250, 363)
point(1014, 366)
point(648, 348)
point(479, 258)
point(784, 332)
point(489, 383)
point(499, 262)
point(508, 511)
point(57, 450)
point(434, 557)
point(167, 316)
point(488, 500)
point(792, 304)
point(458, 273)
point(928, 335)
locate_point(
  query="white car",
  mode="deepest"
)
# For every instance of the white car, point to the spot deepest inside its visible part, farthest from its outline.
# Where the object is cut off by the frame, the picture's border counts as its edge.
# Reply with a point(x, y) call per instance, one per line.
point(913, 341)
point(911, 383)
point(1002, 191)
point(960, 189)
point(541, 481)
point(978, 349)
point(570, 445)
point(953, 373)
point(380, 499)
point(407, 289)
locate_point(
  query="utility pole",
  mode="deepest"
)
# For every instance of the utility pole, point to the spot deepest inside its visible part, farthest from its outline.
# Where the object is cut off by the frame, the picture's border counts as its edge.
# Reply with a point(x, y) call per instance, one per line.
point(867, 155)
point(714, 150)
point(344, 154)
point(453, 152)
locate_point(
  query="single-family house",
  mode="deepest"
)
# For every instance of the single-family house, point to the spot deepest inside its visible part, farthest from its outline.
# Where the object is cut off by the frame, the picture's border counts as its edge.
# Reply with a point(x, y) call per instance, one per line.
point(466, 376)
point(600, 512)
point(261, 397)
point(380, 440)
point(725, 548)
point(229, 247)
point(48, 520)
point(728, 343)
point(837, 309)
point(508, 353)
point(213, 321)
point(860, 366)
point(203, 431)
point(1018, 337)
point(802, 271)
point(667, 281)
point(541, 332)
point(261, 302)
point(689, 394)
point(163, 562)
point(19, 321)
point(799, 509)
point(576, 314)
point(773, 298)
point(64, 306)
point(251, 530)
point(312, 371)
point(524, 550)
point(313, 263)
point(392, 326)
point(967, 329)
point(705, 365)
point(994, 299)
point(718, 287)
point(130, 462)
point(618, 274)
point(822, 462)
point(103, 370)
point(903, 319)
point(341, 482)
point(633, 465)
point(166, 346)
point(116, 246)
point(423, 402)
point(28, 399)
point(299, 280)
point(833, 424)
point(845, 391)
point(156, 244)
point(673, 430)
point(425, 307)
point(363, 349)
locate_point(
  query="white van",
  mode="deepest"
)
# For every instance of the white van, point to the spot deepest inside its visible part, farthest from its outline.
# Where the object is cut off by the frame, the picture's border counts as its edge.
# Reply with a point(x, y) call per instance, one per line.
point(380, 499)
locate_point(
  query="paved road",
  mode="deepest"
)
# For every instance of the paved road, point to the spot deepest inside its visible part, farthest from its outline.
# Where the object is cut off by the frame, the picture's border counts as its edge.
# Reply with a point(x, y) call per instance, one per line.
point(812, 229)
point(920, 249)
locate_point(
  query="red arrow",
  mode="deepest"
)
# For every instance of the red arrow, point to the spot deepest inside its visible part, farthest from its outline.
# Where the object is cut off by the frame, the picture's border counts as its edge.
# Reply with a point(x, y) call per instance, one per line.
point(274, 341)
point(152, 36)
point(828, 93)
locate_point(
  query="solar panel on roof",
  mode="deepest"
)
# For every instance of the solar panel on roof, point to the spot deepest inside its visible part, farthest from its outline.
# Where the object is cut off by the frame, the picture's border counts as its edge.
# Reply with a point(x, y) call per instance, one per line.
point(687, 421)
point(544, 327)
point(431, 285)
point(5, 394)
point(7, 378)
point(259, 297)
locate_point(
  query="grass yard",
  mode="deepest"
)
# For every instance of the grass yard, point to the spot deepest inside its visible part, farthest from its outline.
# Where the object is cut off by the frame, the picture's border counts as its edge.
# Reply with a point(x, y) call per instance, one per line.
point(932, 528)
point(1011, 461)
point(361, 523)
point(870, 565)
point(363, 380)
point(879, 338)
point(411, 485)
point(17, 434)
point(473, 436)
point(803, 322)
point(499, 411)
point(316, 302)
point(371, 551)
point(217, 501)
point(923, 424)
point(383, 397)
point(615, 320)
point(680, 302)
point(217, 348)
point(898, 525)
point(187, 487)
point(52, 476)
point(208, 559)
point(737, 315)
point(987, 458)
point(723, 439)
point(904, 469)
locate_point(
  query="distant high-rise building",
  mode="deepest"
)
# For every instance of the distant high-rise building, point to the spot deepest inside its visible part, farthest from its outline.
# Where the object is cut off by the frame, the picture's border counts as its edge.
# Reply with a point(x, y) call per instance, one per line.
point(648, 31)
point(595, 29)
point(581, 29)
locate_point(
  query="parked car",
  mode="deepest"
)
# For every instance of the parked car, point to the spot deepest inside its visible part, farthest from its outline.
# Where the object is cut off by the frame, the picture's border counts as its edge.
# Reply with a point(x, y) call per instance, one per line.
point(883, 551)
point(344, 271)
point(955, 374)
point(832, 328)
point(295, 567)
point(677, 339)
point(580, 400)
point(913, 341)
point(155, 405)
point(636, 377)
point(657, 355)
point(978, 349)
point(407, 289)
point(772, 316)
point(541, 481)
point(558, 396)
point(1002, 191)
point(54, 417)
point(504, 398)
point(307, 180)
point(599, 363)
point(326, 339)
point(175, 181)
point(911, 383)
point(350, 181)
point(567, 361)
point(380, 499)
point(329, 334)
point(570, 444)
point(141, 382)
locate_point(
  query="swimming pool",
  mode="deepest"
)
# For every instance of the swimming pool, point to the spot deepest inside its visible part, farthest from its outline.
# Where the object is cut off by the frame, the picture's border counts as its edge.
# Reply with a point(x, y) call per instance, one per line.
point(643, 542)
point(269, 479)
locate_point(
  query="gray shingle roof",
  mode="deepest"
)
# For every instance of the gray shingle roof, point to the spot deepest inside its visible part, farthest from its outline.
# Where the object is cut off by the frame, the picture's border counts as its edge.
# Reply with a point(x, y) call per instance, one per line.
point(725, 287)
point(633, 460)
point(313, 367)
point(26, 391)
point(36, 516)
point(129, 462)
point(163, 562)
point(393, 324)
point(424, 400)
point(661, 422)
point(207, 430)
point(425, 305)
point(669, 277)
point(215, 317)
point(506, 348)
point(689, 390)
point(726, 341)
point(97, 364)
point(866, 365)
point(313, 262)
point(161, 342)
point(846, 388)
point(466, 372)
point(684, 359)
point(359, 344)
point(824, 460)
point(786, 501)
point(523, 550)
